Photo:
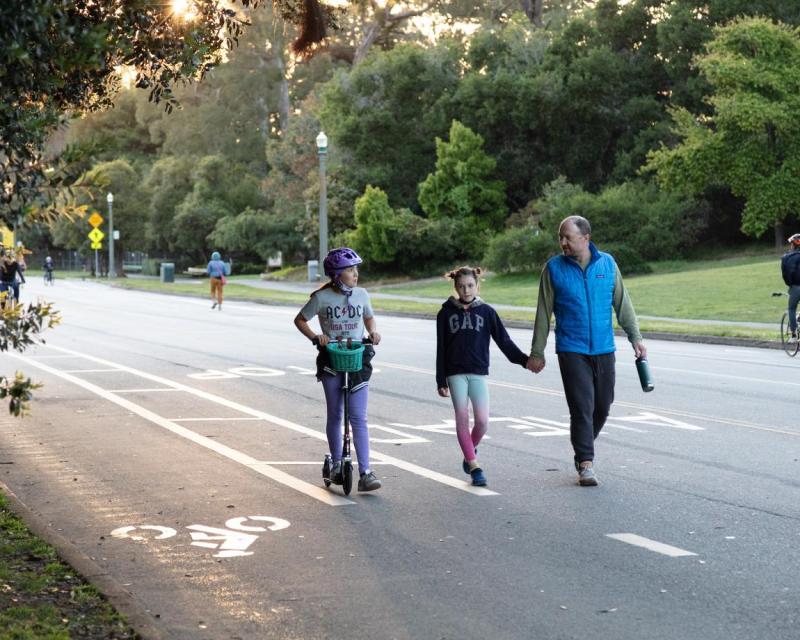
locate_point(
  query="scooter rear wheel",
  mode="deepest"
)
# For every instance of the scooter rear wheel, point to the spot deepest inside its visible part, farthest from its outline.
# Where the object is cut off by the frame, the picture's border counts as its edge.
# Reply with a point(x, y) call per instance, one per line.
point(326, 471)
point(347, 477)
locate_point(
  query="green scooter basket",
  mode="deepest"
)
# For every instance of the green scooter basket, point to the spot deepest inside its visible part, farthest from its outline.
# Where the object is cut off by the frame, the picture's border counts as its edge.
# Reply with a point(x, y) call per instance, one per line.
point(344, 359)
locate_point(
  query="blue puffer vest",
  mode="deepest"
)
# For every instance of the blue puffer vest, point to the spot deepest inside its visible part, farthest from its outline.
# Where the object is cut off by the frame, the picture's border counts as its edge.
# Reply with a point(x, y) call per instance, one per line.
point(583, 303)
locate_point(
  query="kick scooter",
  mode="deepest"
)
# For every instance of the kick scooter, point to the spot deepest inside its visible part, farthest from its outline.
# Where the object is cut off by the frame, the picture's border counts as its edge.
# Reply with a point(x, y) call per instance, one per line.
point(345, 358)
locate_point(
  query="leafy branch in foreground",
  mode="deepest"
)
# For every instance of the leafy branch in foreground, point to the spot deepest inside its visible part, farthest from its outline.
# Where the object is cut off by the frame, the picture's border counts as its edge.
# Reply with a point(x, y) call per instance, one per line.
point(18, 327)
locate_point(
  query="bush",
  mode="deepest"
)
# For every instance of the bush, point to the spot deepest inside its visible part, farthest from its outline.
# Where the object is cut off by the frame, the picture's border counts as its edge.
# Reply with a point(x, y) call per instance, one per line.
point(519, 249)
point(654, 224)
point(242, 268)
point(628, 260)
point(400, 239)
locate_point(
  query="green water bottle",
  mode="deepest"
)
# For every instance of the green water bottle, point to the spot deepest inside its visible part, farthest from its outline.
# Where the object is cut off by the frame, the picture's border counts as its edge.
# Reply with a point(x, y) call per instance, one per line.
point(645, 378)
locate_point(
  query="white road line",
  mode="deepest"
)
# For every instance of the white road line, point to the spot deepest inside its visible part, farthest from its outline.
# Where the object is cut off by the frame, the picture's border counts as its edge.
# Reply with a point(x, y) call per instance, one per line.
point(141, 390)
point(90, 370)
point(232, 454)
point(408, 466)
point(650, 545)
point(619, 426)
point(774, 382)
point(214, 419)
point(628, 405)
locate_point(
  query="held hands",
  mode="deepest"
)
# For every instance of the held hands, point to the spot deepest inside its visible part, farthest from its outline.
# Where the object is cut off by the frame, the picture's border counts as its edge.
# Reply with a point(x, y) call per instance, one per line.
point(535, 364)
point(444, 392)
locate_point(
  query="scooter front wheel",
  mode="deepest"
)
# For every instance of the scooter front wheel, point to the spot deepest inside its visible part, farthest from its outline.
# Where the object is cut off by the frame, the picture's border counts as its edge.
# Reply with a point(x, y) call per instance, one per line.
point(347, 477)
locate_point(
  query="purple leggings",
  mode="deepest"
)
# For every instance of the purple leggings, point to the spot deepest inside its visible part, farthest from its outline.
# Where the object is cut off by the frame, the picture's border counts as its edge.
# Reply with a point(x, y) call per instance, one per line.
point(334, 398)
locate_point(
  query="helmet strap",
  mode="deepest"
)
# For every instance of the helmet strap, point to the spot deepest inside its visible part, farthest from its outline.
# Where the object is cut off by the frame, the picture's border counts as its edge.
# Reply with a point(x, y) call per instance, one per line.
point(348, 291)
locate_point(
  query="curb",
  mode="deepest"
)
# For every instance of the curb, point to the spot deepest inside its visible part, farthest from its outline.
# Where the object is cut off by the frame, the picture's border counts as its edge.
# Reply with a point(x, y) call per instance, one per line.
point(120, 598)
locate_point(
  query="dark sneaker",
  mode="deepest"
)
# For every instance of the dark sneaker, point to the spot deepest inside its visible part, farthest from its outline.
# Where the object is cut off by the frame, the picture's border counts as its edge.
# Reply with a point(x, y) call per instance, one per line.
point(465, 464)
point(336, 473)
point(368, 482)
point(478, 479)
point(586, 477)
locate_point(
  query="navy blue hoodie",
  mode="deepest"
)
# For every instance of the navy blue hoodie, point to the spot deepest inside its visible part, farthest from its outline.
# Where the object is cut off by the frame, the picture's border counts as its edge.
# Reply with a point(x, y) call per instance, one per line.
point(462, 339)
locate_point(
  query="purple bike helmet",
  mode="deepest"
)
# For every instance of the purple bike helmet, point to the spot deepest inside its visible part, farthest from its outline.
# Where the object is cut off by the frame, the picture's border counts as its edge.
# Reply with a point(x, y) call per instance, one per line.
point(339, 259)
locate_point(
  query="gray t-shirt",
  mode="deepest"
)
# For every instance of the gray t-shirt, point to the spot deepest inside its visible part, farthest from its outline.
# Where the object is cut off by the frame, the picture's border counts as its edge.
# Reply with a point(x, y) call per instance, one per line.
point(339, 315)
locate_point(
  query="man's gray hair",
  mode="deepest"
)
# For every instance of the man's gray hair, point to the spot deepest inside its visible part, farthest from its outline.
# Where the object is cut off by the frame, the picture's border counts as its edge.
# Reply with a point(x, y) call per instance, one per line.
point(581, 223)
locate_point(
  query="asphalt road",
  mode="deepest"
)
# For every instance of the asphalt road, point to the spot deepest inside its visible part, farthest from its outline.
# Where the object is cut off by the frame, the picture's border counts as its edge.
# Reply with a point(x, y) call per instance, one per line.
point(180, 448)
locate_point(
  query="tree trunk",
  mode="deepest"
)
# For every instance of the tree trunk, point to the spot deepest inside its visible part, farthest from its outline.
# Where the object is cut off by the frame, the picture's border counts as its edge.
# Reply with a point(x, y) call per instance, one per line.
point(367, 41)
point(780, 234)
point(533, 9)
point(284, 104)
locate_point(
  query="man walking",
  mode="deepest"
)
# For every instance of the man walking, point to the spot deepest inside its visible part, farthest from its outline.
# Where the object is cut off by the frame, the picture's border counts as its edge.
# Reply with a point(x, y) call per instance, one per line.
point(581, 287)
point(790, 270)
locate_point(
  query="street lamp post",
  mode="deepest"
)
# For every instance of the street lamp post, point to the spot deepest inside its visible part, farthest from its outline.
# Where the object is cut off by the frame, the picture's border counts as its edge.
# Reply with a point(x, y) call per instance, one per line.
point(111, 271)
point(322, 150)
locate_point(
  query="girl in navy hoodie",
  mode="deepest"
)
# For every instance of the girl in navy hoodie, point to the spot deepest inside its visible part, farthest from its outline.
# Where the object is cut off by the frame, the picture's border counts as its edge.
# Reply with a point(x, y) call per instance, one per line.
point(463, 327)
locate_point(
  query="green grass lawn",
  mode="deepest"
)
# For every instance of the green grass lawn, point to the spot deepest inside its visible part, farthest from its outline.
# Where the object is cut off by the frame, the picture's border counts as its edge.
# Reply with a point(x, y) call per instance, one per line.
point(735, 289)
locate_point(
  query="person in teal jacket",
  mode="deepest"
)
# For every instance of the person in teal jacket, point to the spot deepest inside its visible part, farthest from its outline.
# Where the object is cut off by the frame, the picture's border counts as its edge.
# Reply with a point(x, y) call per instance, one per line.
point(217, 270)
point(581, 287)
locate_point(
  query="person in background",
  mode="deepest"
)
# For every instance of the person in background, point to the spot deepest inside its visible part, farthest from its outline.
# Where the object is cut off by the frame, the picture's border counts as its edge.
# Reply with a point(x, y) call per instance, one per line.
point(790, 270)
point(216, 270)
point(10, 274)
point(49, 267)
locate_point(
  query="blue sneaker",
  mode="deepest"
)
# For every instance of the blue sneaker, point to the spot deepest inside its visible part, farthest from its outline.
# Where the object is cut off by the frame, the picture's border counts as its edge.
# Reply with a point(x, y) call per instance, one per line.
point(465, 464)
point(478, 479)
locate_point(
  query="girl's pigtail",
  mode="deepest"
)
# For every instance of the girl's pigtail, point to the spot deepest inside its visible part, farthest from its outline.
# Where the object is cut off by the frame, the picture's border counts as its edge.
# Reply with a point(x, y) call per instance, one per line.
point(475, 272)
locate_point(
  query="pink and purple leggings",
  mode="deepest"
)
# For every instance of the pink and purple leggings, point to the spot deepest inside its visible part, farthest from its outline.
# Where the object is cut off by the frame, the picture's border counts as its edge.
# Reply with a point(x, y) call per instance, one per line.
point(334, 399)
point(463, 388)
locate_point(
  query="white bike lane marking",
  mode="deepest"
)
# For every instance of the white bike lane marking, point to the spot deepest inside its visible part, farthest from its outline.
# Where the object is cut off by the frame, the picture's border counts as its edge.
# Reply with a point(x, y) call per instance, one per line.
point(617, 403)
point(232, 542)
point(258, 466)
point(651, 545)
point(268, 470)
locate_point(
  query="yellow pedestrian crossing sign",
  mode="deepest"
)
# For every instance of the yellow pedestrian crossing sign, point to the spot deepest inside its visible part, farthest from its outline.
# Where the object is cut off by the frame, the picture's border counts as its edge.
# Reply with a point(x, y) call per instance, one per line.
point(95, 235)
point(97, 245)
point(96, 219)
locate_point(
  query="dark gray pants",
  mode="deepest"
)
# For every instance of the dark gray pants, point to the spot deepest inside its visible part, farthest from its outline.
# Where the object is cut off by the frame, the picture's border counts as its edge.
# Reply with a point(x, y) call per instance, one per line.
point(794, 297)
point(589, 387)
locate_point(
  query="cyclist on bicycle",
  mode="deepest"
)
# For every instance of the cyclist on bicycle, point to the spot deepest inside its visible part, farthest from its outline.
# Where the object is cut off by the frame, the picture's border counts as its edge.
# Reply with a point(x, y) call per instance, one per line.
point(49, 267)
point(790, 269)
point(9, 271)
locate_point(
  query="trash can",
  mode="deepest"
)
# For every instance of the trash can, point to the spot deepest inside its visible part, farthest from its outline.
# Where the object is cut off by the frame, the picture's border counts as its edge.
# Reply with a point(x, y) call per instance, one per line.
point(167, 272)
point(313, 270)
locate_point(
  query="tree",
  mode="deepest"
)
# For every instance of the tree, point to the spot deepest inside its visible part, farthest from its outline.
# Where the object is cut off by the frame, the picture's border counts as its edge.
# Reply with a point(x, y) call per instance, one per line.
point(368, 114)
point(399, 240)
point(751, 139)
point(59, 57)
point(463, 187)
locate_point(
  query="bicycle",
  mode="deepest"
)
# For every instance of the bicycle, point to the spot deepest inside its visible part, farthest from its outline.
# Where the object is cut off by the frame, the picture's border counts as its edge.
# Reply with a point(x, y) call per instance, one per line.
point(49, 277)
point(790, 343)
point(345, 358)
